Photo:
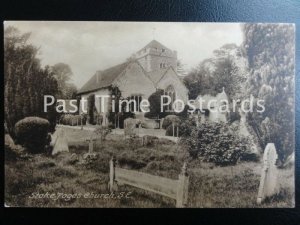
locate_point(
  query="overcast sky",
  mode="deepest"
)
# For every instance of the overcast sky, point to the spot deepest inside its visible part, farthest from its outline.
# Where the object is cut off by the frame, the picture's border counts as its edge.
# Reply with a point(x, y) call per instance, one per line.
point(91, 46)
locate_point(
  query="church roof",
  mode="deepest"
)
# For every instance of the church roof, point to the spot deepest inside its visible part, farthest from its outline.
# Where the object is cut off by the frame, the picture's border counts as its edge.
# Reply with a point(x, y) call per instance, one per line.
point(155, 44)
point(103, 79)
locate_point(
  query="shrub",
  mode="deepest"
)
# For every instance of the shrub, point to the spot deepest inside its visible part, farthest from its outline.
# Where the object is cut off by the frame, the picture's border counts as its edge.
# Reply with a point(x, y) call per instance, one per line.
point(149, 140)
point(133, 142)
point(111, 125)
point(184, 128)
point(169, 130)
point(102, 131)
point(72, 120)
point(168, 120)
point(184, 114)
point(131, 160)
point(234, 116)
point(215, 143)
point(32, 132)
point(98, 118)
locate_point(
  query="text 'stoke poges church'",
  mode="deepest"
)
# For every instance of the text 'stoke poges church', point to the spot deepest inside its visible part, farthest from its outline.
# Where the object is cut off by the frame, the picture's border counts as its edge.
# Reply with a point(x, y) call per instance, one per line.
point(151, 68)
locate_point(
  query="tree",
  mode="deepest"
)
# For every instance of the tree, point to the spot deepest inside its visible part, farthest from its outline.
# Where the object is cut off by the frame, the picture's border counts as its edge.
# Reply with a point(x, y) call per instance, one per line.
point(70, 91)
point(25, 81)
point(227, 68)
point(63, 73)
point(225, 76)
point(269, 49)
point(155, 105)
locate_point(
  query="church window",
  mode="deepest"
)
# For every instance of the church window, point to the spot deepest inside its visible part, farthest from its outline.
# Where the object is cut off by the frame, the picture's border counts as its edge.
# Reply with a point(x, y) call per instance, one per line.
point(135, 105)
point(170, 91)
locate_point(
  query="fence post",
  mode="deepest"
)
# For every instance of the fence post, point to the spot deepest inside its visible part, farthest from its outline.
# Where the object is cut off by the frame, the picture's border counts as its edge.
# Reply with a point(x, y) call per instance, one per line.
point(91, 145)
point(111, 174)
point(173, 129)
point(182, 188)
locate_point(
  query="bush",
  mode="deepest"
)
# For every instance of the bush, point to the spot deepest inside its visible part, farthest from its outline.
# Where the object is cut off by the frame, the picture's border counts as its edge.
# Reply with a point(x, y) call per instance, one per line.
point(102, 132)
point(149, 140)
point(234, 116)
point(184, 128)
point(111, 126)
point(131, 160)
point(72, 120)
point(98, 118)
point(169, 130)
point(32, 132)
point(168, 120)
point(215, 143)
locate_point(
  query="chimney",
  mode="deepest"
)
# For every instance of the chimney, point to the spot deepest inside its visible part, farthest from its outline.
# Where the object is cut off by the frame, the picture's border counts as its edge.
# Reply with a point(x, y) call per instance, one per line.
point(98, 74)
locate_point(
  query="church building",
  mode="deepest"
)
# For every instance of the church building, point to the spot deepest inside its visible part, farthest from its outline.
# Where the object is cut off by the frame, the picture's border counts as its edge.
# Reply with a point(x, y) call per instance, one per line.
point(151, 68)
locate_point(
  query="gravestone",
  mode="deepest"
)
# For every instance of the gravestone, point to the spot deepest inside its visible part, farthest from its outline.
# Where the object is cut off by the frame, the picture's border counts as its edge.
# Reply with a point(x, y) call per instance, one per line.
point(59, 142)
point(9, 141)
point(91, 142)
point(130, 127)
point(268, 182)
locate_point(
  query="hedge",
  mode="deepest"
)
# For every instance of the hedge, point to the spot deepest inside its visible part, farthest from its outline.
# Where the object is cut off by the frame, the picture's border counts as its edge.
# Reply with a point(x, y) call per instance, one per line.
point(73, 120)
point(168, 120)
point(32, 133)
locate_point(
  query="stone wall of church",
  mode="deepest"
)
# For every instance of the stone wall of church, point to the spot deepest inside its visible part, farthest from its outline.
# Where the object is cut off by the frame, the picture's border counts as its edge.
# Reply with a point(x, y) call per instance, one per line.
point(135, 82)
point(99, 109)
point(156, 61)
point(171, 78)
point(151, 59)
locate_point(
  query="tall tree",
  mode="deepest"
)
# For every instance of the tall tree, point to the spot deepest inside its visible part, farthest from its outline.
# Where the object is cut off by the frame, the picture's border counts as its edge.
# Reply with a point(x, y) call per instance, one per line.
point(25, 82)
point(270, 52)
point(227, 68)
point(63, 74)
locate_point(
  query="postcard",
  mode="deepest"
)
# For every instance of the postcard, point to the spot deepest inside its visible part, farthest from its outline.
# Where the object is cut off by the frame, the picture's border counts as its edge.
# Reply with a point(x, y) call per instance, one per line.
point(149, 114)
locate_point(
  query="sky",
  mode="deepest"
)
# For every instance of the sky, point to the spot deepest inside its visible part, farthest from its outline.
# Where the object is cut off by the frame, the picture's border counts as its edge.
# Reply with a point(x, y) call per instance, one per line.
point(90, 46)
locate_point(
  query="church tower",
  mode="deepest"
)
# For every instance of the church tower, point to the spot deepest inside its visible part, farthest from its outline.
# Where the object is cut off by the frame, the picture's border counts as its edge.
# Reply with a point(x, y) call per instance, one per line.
point(155, 56)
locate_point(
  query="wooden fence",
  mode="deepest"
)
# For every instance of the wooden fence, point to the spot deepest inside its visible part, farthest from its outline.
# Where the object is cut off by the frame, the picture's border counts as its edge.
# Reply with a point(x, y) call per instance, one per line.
point(175, 189)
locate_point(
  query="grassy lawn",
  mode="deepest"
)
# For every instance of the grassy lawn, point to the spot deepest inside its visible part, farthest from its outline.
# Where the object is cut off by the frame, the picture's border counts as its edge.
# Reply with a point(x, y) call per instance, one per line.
point(70, 173)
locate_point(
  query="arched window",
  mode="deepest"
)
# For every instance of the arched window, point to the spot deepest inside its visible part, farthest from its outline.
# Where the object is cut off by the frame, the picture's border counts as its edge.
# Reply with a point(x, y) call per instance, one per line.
point(170, 91)
point(135, 104)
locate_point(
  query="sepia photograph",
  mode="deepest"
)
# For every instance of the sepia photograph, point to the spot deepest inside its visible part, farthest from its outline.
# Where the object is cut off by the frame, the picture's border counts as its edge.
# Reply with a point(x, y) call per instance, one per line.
point(149, 114)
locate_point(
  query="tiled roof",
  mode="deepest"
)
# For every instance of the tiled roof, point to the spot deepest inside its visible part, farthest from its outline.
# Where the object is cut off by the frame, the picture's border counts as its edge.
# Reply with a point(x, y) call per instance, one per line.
point(103, 78)
point(154, 45)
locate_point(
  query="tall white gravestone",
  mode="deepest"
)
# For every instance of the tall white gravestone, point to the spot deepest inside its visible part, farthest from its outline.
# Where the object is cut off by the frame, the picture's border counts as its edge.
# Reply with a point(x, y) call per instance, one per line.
point(268, 182)
point(60, 142)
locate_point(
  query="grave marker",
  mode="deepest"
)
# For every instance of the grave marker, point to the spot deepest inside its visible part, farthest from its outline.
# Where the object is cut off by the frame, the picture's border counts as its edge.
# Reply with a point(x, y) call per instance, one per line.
point(60, 144)
point(91, 144)
point(175, 189)
point(268, 181)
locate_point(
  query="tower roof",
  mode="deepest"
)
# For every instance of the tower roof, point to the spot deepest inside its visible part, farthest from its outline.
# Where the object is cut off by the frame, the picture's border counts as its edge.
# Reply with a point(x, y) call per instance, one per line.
point(154, 44)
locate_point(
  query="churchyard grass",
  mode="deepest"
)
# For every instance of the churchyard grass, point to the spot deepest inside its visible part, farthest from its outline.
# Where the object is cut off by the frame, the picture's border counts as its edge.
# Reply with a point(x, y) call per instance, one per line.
point(210, 186)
